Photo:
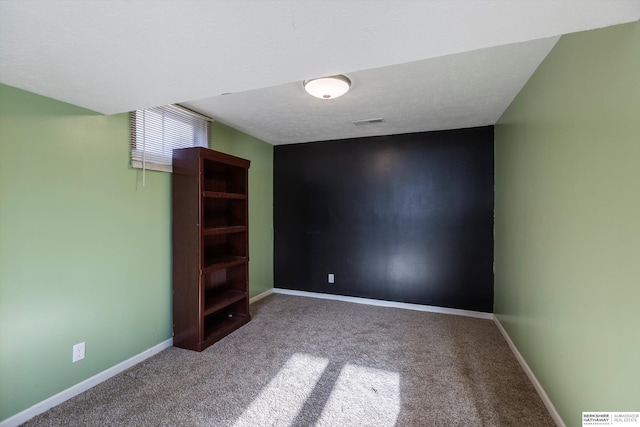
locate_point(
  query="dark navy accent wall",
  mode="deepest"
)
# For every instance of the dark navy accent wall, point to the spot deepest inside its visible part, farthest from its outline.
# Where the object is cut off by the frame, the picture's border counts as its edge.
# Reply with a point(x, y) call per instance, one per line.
point(405, 218)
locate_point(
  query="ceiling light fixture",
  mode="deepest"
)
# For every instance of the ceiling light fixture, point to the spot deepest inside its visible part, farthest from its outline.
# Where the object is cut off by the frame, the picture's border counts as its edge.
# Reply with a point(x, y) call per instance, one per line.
point(327, 87)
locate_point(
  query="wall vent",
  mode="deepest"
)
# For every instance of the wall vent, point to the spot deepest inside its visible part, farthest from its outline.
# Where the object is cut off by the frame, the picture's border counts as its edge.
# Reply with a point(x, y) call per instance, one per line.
point(368, 121)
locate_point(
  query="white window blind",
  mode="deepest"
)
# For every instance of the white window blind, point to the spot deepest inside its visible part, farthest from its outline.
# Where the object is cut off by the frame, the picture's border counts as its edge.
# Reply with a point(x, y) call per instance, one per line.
point(155, 132)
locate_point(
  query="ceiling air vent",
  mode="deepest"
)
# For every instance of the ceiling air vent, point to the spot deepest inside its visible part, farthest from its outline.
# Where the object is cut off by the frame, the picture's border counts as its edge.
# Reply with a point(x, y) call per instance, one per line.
point(368, 121)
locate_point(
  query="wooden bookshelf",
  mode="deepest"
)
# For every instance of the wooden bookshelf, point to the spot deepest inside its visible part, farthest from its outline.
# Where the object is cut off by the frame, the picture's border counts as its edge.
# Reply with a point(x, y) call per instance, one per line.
point(210, 234)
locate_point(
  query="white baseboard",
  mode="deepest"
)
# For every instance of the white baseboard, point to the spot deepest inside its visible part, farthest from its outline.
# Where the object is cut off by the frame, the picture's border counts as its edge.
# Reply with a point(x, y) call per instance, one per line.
point(382, 303)
point(536, 384)
point(260, 296)
point(85, 385)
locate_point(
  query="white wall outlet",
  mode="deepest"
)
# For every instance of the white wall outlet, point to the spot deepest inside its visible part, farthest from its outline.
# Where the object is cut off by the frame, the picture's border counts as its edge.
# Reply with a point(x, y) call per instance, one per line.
point(78, 352)
point(331, 278)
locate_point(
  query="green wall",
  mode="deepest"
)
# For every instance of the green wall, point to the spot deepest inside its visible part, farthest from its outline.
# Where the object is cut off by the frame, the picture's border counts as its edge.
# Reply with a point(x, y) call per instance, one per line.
point(85, 249)
point(567, 222)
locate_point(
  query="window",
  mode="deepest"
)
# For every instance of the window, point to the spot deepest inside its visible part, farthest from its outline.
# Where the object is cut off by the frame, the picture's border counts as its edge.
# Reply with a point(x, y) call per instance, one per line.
point(155, 132)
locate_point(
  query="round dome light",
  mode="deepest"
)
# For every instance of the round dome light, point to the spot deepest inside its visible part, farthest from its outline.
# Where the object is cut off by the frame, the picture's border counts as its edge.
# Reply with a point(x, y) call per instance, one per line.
point(327, 87)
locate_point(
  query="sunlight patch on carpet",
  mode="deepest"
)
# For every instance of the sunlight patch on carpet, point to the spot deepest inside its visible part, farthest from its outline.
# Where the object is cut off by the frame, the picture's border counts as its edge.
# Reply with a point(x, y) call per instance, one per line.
point(281, 400)
point(363, 396)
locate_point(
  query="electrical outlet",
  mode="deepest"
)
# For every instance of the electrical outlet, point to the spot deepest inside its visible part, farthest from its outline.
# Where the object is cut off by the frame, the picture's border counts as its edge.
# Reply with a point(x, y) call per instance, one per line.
point(331, 278)
point(78, 352)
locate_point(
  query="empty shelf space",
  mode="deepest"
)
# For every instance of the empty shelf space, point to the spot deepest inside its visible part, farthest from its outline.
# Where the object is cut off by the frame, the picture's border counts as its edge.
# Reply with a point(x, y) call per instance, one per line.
point(223, 262)
point(220, 326)
point(212, 231)
point(221, 195)
point(216, 301)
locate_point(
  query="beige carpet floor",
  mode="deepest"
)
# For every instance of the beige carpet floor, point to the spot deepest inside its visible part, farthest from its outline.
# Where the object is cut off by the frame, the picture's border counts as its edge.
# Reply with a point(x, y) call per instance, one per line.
point(313, 362)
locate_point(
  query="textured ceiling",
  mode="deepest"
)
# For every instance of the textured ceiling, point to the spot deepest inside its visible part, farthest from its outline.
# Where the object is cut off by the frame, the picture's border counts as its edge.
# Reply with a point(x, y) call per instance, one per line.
point(422, 65)
point(449, 92)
